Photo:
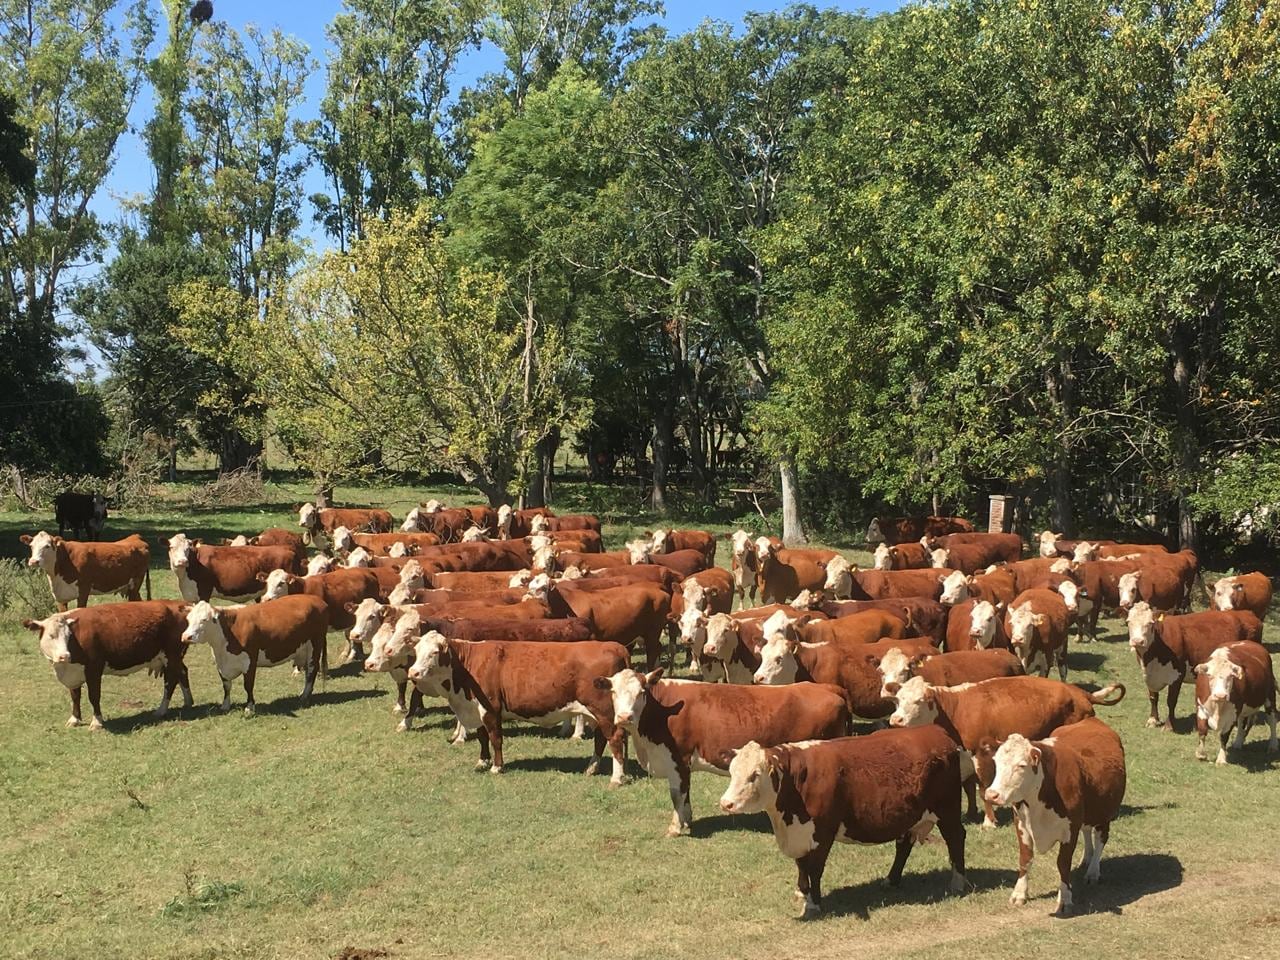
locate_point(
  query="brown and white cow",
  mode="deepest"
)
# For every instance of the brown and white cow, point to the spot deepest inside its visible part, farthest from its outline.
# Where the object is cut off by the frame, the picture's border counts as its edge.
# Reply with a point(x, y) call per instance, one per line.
point(1169, 648)
point(945, 669)
point(338, 590)
point(570, 523)
point(1159, 585)
point(903, 556)
point(514, 524)
point(974, 556)
point(744, 566)
point(924, 617)
point(668, 541)
point(948, 587)
point(1246, 591)
point(116, 639)
point(1069, 783)
point(244, 638)
point(204, 571)
point(683, 725)
point(78, 570)
point(624, 615)
point(1235, 684)
point(543, 683)
point(976, 625)
point(319, 522)
point(1036, 623)
point(894, 530)
point(996, 709)
point(781, 573)
point(888, 787)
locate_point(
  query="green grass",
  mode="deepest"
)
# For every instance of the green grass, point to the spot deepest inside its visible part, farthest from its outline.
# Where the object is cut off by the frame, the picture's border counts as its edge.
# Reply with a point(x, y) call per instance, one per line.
point(304, 832)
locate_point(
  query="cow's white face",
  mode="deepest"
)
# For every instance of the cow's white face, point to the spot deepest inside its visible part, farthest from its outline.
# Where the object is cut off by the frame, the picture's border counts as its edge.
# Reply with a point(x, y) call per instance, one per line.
point(629, 691)
point(55, 637)
point(412, 522)
point(474, 535)
point(1085, 552)
point(411, 574)
point(955, 588)
point(504, 520)
point(916, 704)
point(1129, 584)
point(694, 593)
point(661, 540)
point(400, 549)
point(238, 541)
point(807, 599)
point(763, 549)
point(379, 658)
point(202, 624)
point(1023, 622)
point(778, 625)
point(539, 524)
point(884, 557)
point(940, 558)
point(1062, 566)
point(538, 541)
point(1223, 675)
point(432, 506)
point(522, 577)
point(742, 545)
point(401, 593)
point(750, 787)
point(320, 563)
point(895, 668)
point(181, 551)
point(1070, 593)
point(721, 637)
point(639, 551)
point(44, 552)
point(1048, 544)
point(982, 624)
point(777, 662)
point(839, 577)
point(1019, 772)
point(1223, 590)
point(277, 584)
point(431, 654)
point(369, 615)
point(343, 542)
point(1142, 626)
point(572, 572)
point(391, 641)
point(544, 559)
point(359, 557)
point(693, 627)
point(308, 516)
point(539, 587)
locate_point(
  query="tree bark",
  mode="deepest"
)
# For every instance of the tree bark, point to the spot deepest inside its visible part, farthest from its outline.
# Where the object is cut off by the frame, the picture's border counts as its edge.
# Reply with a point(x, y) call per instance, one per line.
point(324, 493)
point(236, 451)
point(792, 526)
point(662, 430)
point(1186, 442)
point(1060, 384)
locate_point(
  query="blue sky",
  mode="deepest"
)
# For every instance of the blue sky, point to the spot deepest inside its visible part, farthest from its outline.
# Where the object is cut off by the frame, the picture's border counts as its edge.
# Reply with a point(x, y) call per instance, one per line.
point(307, 21)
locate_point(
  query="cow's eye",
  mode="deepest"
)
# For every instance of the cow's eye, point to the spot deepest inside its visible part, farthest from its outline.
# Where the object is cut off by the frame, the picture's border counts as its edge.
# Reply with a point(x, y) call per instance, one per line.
point(754, 777)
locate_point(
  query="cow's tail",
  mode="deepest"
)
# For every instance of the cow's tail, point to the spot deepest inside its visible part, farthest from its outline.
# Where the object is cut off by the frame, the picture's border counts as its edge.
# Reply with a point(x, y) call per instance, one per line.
point(324, 659)
point(147, 578)
point(1103, 696)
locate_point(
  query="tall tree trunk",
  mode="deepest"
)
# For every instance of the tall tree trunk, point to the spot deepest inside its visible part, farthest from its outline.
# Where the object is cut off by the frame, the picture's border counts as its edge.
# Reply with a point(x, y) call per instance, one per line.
point(551, 446)
point(324, 492)
point(1186, 440)
point(792, 526)
point(236, 451)
point(1060, 382)
point(173, 461)
point(662, 438)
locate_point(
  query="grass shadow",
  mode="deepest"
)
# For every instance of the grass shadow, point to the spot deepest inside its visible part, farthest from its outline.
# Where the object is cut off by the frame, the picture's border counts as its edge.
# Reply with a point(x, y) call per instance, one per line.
point(570, 765)
point(1087, 662)
point(928, 887)
point(731, 823)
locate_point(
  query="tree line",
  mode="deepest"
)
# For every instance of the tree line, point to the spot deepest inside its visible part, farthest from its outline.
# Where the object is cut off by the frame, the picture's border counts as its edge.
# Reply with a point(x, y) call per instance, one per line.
point(895, 262)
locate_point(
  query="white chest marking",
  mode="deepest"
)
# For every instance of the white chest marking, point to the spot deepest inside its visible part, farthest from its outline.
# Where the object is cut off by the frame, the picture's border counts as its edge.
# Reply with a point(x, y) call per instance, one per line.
point(1041, 826)
point(1159, 675)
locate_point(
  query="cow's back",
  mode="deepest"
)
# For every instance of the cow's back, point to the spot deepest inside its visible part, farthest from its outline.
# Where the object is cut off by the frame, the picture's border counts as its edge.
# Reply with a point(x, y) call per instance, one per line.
point(124, 635)
point(998, 708)
point(107, 566)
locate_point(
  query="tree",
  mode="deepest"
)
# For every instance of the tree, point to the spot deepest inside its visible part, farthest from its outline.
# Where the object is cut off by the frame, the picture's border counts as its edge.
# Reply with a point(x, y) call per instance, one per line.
point(390, 346)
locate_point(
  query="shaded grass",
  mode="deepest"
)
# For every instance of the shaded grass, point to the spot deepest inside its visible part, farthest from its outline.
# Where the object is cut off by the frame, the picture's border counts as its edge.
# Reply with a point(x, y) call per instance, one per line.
point(307, 831)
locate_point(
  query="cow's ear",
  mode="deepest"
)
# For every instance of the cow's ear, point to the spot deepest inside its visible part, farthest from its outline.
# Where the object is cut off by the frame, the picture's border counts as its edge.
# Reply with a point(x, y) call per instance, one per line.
point(1201, 669)
point(917, 660)
point(1160, 619)
point(35, 626)
point(726, 756)
point(184, 609)
point(1039, 619)
point(892, 688)
point(1036, 757)
point(1237, 671)
point(653, 677)
point(25, 538)
point(260, 577)
point(602, 683)
point(197, 541)
point(986, 747)
point(873, 661)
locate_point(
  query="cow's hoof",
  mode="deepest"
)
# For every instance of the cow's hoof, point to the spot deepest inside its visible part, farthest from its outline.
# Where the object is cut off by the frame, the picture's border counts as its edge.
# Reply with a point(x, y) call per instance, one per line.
point(402, 726)
point(619, 783)
point(1152, 722)
point(96, 724)
point(496, 769)
point(1062, 911)
point(592, 768)
point(482, 765)
point(73, 721)
point(249, 711)
point(988, 824)
point(398, 708)
point(1200, 754)
point(1092, 877)
point(159, 714)
point(1018, 900)
point(811, 911)
point(1167, 726)
point(680, 831)
point(1221, 761)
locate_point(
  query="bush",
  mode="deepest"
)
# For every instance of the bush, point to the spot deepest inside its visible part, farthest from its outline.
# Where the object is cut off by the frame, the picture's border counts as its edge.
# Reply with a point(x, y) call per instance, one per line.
point(24, 591)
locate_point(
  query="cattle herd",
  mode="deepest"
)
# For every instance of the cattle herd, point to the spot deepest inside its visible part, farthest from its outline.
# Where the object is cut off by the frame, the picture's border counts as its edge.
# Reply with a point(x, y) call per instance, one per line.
point(507, 614)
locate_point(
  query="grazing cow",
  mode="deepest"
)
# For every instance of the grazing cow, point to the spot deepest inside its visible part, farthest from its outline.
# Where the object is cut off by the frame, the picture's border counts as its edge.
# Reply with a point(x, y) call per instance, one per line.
point(84, 513)
point(888, 787)
point(996, 709)
point(77, 570)
point(204, 571)
point(895, 530)
point(682, 725)
point(1071, 782)
point(544, 683)
point(1247, 591)
point(315, 520)
point(903, 556)
point(782, 573)
point(115, 638)
point(1232, 686)
point(853, 668)
point(624, 614)
point(976, 625)
point(1169, 648)
point(668, 541)
point(244, 638)
point(947, 669)
point(946, 586)
point(1037, 623)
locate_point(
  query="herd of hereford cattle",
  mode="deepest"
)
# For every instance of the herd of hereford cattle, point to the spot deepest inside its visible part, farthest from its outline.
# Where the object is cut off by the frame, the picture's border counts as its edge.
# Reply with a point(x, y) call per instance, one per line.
point(521, 614)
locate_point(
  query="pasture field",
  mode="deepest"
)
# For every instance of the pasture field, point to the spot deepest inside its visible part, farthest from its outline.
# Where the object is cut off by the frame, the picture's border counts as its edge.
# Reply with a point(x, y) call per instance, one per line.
point(321, 832)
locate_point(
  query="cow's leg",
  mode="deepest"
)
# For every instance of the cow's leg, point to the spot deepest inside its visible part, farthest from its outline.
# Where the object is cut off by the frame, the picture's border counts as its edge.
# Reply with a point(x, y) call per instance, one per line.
point(415, 709)
point(313, 670)
point(1026, 853)
point(1153, 720)
point(172, 676)
point(1223, 737)
point(493, 721)
point(74, 719)
point(578, 728)
point(1087, 861)
point(811, 865)
point(1066, 853)
point(459, 734)
point(82, 595)
point(1174, 689)
point(226, 696)
point(971, 793)
point(250, 675)
point(652, 650)
point(1093, 872)
point(682, 813)
point(93, 680)
point(597, 752)
point(184, 680)
point(618, 748)
point(1273, 745)
point(1062, 661)
point(401, 687)
point(900, 854)
point(482, 734)
point(951, 826)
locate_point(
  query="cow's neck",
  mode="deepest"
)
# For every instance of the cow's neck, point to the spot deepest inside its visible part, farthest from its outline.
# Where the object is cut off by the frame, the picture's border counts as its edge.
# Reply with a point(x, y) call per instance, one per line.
point(186, 586)
point(63, 568)
point(945, 703)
